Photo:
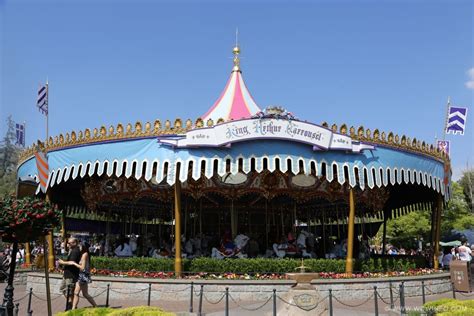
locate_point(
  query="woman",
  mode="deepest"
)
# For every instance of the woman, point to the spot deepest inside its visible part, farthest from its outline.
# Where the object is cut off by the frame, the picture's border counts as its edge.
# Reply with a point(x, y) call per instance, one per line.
point(124, 249)
point(82, 283)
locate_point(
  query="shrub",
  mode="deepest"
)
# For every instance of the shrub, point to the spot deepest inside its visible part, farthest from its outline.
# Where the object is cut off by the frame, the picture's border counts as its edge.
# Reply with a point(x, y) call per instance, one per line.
point(100, 311)
point(449, 306)
point(140, 311)
point(131, 311)
point(254, 265)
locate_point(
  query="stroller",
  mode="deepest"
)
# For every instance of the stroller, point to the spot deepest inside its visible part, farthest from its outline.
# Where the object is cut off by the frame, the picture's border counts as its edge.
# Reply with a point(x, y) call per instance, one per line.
point(4, 267)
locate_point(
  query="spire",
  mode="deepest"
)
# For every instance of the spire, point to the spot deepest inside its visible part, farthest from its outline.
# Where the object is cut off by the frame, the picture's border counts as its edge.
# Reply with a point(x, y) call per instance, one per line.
point(236, 52)
point(235, 102)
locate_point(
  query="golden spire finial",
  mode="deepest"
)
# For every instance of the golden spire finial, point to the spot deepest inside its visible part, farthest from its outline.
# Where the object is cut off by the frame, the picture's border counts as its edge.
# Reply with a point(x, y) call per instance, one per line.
point(236, 52)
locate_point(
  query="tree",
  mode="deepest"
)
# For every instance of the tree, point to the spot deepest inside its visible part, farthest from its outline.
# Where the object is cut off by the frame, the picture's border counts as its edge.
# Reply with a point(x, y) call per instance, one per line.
point(467, 183)
point(457, 214)
point(406, 229)
point(8, 160)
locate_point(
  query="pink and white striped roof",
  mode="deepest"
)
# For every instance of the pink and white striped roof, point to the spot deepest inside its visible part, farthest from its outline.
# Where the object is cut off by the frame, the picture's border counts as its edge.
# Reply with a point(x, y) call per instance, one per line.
point(235, 102)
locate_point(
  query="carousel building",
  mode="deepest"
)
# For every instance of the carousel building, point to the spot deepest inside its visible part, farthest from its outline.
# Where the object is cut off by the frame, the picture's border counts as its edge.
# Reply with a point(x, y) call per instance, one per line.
point(242, 169)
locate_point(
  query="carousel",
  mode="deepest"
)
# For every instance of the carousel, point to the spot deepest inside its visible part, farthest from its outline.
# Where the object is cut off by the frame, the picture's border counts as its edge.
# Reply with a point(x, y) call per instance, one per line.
point(240, 169)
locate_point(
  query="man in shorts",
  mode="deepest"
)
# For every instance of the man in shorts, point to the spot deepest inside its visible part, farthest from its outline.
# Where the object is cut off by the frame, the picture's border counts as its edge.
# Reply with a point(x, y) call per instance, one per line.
point(71, 273)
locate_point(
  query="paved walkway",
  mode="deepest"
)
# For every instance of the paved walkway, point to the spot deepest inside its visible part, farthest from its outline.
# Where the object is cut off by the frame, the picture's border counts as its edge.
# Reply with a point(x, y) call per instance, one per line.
point(357, 308)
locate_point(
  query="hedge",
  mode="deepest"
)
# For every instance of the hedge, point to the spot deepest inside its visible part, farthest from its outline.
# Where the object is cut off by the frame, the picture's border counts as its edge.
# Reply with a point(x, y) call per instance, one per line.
point(449, 307)
point(257, 265)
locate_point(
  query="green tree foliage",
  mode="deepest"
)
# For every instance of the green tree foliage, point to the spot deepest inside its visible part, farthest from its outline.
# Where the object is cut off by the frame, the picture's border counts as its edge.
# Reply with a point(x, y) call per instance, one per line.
point(8, 160)
point(404, 231)
point(467, 183)
point(457, 214)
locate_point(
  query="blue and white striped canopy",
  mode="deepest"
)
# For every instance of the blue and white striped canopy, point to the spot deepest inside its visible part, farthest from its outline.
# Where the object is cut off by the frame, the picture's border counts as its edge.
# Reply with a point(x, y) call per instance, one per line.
point(381, 166)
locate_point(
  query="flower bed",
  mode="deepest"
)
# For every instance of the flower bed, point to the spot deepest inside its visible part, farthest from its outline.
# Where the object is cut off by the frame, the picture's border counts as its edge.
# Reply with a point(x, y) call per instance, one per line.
point(259, 268)
point(258, 276)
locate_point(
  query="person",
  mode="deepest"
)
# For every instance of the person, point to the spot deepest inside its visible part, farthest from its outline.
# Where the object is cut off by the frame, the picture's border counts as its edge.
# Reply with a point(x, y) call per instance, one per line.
point(464, 252)
point(447, 258)
point(71, 272)
point(124, 249)
point(84, 277)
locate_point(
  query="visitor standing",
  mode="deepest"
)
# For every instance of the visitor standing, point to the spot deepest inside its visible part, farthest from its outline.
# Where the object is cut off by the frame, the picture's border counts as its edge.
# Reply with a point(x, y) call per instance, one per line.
point(464, 252)
point(84, 277)
point(71, 272)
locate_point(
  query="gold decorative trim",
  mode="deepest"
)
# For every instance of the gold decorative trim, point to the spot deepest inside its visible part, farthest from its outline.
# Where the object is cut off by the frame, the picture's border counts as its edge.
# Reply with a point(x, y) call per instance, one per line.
point(156, 129)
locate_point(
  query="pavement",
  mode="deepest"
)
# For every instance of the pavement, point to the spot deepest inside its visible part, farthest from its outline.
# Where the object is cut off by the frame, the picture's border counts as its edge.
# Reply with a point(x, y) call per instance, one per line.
point(342, 308)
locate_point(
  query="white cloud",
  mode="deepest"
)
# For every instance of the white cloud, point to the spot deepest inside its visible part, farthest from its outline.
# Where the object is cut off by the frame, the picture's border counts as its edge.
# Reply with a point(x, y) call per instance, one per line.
point(470, 82)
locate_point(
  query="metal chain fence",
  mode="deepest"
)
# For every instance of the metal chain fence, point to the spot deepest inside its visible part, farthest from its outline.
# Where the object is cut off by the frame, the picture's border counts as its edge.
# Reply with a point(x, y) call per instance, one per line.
point(199, 295)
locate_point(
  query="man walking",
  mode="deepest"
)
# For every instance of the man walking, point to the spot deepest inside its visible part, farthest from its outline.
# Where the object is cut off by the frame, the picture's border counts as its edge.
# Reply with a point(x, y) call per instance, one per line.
point(71, 273)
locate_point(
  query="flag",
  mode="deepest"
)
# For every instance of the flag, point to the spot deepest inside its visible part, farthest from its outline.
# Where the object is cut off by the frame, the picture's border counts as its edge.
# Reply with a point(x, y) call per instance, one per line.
point(444, 146)
point(43, 170)
point(20, 134)
point(456, 122)
point(42, 102)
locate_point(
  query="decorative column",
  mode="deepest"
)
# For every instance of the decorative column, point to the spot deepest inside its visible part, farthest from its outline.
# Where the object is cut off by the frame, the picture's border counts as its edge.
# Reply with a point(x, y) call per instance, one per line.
point(350, 233)
point(439, 210)
point(177, 225)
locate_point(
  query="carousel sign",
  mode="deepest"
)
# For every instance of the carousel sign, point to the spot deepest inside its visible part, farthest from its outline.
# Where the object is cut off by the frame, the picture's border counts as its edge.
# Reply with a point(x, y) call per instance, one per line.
point(266, 128)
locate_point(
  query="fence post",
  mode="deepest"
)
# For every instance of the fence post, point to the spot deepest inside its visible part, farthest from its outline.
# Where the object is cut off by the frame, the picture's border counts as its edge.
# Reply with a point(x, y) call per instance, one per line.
point(392, 305)
point(191, 300)
point(226, 301)
point(107, 296)
point(402, 298)
point(274, 302)
point(149, 294)
point(454, 290)
point(375, 301)
point(201, 293)
point(29, 312)
point(330, 303)
point(68, 297)
point(423, 292)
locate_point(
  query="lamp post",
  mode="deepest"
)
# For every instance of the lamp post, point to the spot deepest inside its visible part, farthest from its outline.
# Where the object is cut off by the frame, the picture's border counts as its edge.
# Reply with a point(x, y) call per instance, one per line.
point(8, 295)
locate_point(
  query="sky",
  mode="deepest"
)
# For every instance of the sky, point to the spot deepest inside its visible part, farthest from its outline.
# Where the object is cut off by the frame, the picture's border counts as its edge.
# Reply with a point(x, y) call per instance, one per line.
point(389, 65)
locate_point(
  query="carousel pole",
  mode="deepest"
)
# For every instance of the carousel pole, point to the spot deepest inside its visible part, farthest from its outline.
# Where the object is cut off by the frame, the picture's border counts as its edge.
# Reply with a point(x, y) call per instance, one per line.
point(439, 209)
point(63, 229)
point(177, 225)
point(323, 233)
point(200, 216)
point(266, 223)
point(350, 233)
point(27, 254)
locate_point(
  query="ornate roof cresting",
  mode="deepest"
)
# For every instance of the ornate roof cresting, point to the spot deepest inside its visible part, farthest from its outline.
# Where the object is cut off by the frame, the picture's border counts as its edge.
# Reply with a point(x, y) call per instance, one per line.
point(155, 129)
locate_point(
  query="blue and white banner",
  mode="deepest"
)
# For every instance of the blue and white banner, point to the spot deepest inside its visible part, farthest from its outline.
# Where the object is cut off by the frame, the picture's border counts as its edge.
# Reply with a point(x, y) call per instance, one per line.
point(225, 134)
point(444, 146)
point(42, 101)
point(20, 134)
point(456, 122)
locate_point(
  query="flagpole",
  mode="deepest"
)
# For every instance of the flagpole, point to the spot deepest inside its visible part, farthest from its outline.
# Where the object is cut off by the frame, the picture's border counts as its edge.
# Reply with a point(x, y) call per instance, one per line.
point(47, 115)
point(24, 134)
point(446, 118)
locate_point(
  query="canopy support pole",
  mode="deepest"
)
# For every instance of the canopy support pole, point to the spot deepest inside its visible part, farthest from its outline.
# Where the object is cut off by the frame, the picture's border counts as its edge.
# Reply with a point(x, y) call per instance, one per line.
point(350, 233)
point(177, 225)
point(439, 209)
point(233, 219)
point(384, 234)
point(50, 240)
